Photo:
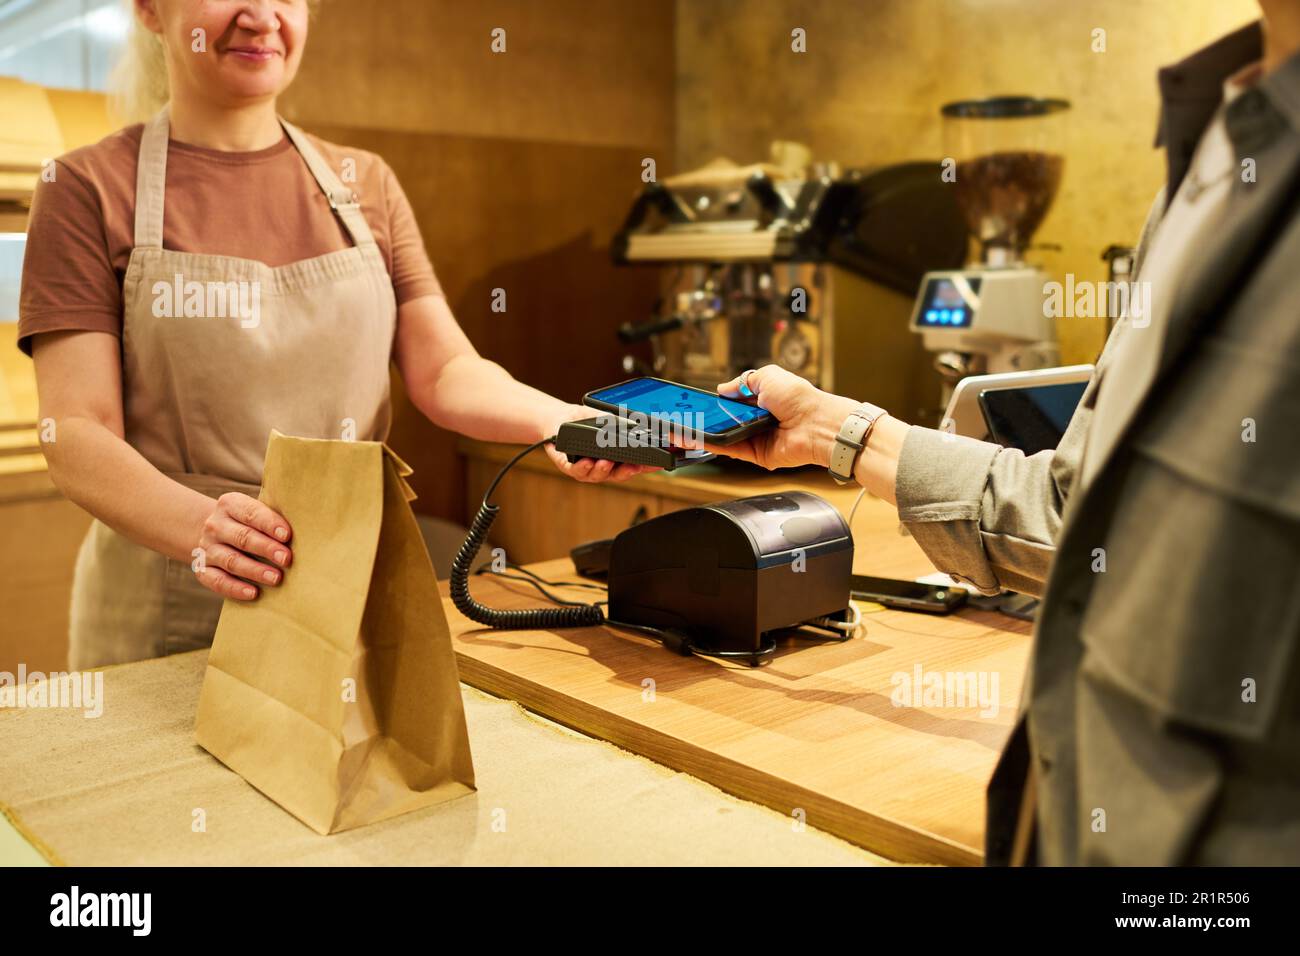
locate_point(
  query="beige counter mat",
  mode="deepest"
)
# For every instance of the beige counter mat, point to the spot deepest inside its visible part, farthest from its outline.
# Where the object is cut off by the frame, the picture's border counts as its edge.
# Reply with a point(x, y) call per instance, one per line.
point(121, 789)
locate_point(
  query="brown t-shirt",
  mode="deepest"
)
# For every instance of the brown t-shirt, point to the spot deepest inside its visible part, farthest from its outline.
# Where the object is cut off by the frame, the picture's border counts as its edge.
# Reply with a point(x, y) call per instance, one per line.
point(261, 205)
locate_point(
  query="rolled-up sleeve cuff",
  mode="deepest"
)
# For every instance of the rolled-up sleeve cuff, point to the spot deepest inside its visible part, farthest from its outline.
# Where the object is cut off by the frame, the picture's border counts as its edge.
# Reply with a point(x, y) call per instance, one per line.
point(940, 488)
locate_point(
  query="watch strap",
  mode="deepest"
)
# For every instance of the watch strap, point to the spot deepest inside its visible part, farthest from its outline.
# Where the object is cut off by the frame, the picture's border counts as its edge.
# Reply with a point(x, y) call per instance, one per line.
point(852, 438)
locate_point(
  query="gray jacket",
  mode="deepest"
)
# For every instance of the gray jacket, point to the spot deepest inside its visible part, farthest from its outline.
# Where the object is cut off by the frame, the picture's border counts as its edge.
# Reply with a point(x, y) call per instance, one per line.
point(1161, 712)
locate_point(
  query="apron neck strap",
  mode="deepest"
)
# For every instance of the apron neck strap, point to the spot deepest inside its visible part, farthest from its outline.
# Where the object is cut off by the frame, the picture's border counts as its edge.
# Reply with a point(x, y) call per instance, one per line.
point(151, 182)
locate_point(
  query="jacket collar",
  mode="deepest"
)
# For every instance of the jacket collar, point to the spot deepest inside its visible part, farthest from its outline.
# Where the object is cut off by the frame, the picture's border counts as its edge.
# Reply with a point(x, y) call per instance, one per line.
point(1263, 124)
point(1192, 89)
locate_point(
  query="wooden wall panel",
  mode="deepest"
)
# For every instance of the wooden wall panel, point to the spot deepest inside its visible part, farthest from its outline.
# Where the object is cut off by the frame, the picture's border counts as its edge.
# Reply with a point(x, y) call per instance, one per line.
point(534, 219)
point(519, 166)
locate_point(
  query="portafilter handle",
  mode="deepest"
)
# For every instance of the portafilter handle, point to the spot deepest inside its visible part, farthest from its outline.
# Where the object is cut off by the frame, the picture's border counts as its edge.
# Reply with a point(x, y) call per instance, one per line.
point(630, 332)
point(953, 366)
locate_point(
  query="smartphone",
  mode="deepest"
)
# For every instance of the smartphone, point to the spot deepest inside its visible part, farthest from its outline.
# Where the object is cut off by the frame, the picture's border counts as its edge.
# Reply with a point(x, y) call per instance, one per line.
point(688, 411)
point(907, 595)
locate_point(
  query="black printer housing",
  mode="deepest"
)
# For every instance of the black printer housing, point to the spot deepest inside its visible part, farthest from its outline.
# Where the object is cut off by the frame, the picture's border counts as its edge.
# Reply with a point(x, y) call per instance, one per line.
point(728, 573)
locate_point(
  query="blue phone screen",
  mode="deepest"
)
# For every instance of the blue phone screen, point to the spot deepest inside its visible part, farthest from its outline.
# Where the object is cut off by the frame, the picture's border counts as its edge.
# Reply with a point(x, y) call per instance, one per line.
point(689, 407)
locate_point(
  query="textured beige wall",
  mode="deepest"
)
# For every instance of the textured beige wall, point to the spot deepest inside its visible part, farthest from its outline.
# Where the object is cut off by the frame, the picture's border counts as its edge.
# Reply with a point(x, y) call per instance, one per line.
point(869, 87)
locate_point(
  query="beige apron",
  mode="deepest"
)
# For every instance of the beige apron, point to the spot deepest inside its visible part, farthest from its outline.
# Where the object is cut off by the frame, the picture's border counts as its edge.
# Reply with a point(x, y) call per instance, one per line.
point(204, 382)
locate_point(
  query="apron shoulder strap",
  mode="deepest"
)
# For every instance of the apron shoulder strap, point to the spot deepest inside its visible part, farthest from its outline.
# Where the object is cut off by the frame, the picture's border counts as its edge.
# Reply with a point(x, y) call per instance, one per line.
point(151, 181)
point(342, 200)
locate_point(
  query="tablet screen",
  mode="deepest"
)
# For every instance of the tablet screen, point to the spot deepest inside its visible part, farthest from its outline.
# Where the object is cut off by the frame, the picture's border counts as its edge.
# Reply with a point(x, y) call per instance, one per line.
point(1032, 419)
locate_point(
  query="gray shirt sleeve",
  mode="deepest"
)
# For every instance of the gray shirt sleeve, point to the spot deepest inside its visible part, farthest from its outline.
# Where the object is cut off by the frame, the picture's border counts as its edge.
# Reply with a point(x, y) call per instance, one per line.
point(985, 514)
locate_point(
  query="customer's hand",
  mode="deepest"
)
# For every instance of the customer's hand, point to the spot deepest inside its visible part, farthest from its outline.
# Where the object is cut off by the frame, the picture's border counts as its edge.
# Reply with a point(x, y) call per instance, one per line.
point(588, 469)
point(243, 545)
point(808, 419)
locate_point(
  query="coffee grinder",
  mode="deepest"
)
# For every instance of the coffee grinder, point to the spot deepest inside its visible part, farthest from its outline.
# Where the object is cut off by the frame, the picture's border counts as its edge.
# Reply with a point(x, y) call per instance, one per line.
point(1005, 159)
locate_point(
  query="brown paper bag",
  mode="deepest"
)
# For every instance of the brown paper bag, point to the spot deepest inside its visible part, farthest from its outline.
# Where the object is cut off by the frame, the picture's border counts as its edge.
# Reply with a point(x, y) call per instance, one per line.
point(336, 693)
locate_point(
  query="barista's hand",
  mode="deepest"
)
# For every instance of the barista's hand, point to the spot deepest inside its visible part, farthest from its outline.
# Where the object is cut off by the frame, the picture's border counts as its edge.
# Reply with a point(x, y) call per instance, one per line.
point(809, 419)
point(588, 469)
point(243, 546)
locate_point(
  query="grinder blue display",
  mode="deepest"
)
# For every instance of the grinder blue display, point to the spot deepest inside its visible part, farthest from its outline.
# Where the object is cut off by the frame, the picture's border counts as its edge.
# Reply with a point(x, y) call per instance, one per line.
point(728, 574)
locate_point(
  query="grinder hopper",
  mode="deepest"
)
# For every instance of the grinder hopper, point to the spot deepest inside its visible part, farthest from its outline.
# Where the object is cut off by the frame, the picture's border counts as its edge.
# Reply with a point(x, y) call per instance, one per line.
point(1009, 165)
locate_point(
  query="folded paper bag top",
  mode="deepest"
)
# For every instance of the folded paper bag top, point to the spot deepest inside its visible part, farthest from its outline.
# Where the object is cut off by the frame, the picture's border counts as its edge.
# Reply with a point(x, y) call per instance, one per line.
point(336, 694)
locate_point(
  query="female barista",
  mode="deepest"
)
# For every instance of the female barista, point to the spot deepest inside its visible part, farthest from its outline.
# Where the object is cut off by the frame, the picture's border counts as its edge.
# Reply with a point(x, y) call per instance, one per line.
point(161, 415)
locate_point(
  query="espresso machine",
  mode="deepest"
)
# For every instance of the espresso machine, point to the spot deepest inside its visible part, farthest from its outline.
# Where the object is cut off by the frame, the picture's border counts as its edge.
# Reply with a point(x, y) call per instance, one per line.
point(1005, 165)
point(810, 268)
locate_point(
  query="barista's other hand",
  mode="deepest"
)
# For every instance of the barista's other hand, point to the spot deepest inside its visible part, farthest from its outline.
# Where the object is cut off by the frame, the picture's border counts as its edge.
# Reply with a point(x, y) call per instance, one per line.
point(588, 469)
point(808, 418)
point(244, 546)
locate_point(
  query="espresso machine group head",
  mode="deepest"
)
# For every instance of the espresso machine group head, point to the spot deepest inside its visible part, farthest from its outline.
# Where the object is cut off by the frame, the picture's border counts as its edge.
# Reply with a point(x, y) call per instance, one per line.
point(989, 316)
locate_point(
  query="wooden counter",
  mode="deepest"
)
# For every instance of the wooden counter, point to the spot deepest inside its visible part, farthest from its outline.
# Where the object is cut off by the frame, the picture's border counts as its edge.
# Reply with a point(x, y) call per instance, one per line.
point(821, 734)
point(824, 732)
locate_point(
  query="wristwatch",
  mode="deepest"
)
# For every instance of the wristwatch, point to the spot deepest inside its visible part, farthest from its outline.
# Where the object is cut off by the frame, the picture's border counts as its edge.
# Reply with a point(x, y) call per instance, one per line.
point(851, 439)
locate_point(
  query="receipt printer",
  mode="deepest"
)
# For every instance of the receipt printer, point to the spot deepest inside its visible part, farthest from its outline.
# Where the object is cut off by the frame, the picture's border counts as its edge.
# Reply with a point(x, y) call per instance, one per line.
point(728, 573)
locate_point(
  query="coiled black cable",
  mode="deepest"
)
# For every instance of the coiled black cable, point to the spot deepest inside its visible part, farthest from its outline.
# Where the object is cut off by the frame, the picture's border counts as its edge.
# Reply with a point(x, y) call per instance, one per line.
point(589, 615)
point(585, 615)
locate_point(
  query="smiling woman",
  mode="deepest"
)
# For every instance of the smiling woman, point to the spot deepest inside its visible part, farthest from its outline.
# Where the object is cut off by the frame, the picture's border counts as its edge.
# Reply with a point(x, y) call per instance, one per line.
point(140, 80)
point(162, 412)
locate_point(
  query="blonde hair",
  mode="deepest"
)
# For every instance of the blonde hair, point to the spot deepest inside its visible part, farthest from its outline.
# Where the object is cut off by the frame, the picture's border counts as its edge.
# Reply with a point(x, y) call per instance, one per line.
point(138, 85)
